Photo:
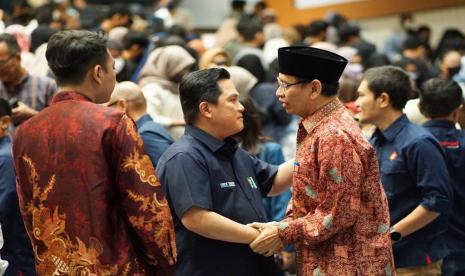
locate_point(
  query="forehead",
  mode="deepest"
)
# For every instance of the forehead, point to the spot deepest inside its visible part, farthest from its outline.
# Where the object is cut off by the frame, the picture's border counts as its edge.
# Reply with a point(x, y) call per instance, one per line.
point(363, 88)
point(227, 87)
point(4, 51)
point(287, 78)
point(452, 57)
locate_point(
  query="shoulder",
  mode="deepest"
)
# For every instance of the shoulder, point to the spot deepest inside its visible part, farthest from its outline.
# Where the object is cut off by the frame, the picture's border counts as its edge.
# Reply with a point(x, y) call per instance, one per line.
point(152, 127)
point(185, 148)
point(413, 134)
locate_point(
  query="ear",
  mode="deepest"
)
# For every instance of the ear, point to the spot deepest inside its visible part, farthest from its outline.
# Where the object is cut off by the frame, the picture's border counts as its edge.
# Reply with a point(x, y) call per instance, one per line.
point(456, 113)
point(205, 110)
point(315, 89)
point(384, 100)
point(122, 104)
point(97, 73)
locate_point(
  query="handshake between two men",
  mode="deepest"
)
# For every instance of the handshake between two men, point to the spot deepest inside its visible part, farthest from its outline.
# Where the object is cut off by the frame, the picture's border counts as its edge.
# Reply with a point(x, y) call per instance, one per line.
point(267, 242)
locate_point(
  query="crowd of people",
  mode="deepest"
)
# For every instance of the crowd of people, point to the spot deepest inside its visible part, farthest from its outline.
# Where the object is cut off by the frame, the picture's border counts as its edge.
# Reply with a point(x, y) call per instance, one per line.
point(128, 146)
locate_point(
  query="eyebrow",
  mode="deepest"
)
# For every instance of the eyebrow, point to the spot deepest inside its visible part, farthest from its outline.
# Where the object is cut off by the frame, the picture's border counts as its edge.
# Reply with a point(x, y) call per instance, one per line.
point(234, 94)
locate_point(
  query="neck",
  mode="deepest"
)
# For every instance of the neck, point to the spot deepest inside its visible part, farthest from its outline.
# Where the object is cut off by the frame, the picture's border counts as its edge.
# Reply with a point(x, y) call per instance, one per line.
point(444, 75)
point(136, 115)
point(318, 104)
point(387, 119)
point(453, 117)
point(210, 130)
point(81, 89)
point(16, 79)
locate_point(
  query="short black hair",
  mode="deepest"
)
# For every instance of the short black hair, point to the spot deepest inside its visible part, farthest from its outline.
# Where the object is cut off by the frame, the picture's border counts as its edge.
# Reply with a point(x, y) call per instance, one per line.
point(316, 27)
point(138, 38)
point(200, 86)
point(391, 80)
point(346, 31)
point(439, 98)
point(11, 43)
point(413, 42)
point(238, 4)
point(118, 8)
point(327, 89)
point(5, 109)
point(70, 55)
point(248, 27)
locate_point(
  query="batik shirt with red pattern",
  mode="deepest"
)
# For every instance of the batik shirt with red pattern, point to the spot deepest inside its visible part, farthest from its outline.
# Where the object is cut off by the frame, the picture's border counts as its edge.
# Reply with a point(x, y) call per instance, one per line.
point(339, 219)
point(90, 198)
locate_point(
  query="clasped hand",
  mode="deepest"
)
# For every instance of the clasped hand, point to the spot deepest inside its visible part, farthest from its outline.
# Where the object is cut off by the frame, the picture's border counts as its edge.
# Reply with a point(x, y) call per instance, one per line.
point(267, 242)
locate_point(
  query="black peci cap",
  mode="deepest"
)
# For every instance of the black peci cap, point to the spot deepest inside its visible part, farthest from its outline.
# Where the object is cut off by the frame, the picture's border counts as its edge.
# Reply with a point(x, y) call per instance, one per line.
point(311, 63)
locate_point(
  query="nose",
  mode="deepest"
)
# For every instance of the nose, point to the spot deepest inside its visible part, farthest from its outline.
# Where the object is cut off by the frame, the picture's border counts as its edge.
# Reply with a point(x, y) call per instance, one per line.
point(241, 108)
point(279, 92)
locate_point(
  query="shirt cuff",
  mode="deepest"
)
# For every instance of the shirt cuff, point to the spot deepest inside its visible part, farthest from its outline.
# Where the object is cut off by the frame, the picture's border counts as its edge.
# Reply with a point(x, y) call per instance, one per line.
point(290, 231)
point(436, 204)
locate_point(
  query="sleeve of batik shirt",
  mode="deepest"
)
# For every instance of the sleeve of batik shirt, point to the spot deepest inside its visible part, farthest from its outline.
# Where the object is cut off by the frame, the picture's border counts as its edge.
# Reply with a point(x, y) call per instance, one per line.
point(142, 196)
point(339, 175)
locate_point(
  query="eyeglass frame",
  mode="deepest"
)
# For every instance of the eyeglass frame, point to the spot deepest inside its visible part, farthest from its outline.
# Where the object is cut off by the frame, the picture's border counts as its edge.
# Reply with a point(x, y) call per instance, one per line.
point(5, 62)
point(285, 85)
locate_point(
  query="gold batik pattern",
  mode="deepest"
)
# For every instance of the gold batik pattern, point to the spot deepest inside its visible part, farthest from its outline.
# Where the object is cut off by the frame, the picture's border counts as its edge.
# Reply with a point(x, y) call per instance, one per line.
point(58, 254)
point(142, 165)
point(131, 131)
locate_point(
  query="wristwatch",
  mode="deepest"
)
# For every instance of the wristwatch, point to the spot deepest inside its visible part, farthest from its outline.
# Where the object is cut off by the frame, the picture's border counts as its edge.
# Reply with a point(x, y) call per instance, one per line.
point(395, 236)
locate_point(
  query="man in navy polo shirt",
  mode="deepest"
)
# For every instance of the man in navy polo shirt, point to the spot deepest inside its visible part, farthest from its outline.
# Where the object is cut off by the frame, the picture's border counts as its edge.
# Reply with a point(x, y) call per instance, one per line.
point(441, 102)
point(213, 187)
point(413, 173)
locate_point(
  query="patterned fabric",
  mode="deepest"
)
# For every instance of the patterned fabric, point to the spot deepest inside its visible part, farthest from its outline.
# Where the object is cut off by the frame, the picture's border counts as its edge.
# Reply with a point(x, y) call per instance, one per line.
point(36, 92)
point(339, 217)
point(90, 198)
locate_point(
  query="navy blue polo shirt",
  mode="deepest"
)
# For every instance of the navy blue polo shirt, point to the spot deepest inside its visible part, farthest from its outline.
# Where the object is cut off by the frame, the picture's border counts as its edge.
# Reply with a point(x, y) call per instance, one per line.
point(414, 172)
point(155, 137)
point(200, 170)
point(452, 141)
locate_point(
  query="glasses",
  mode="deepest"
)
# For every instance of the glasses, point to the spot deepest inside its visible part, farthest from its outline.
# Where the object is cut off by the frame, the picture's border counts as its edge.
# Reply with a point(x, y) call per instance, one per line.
point(285, 86)
point(5, 61)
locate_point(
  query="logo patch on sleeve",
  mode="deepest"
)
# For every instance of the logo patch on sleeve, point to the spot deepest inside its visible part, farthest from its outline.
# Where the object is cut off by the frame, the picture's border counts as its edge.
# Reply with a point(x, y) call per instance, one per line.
point(252, 182)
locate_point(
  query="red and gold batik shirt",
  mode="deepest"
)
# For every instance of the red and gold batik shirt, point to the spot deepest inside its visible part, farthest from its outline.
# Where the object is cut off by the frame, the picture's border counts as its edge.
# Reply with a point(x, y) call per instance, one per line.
point(90, 199)
point(339, 218)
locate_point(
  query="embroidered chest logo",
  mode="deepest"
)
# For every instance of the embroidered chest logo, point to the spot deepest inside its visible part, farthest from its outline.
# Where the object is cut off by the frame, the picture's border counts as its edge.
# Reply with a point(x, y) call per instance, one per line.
point(252, 182)
point(227, 185)
point(393, 156)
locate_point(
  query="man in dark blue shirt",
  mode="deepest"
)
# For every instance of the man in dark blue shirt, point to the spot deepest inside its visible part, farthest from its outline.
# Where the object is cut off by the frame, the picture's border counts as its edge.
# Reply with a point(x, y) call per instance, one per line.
point(128, 97)
point(441, 102)
point(17, 249)
point(413, 172)
point(215, 188)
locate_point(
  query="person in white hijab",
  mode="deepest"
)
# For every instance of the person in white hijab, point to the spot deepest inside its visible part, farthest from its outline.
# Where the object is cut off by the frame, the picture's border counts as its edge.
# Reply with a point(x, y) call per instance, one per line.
point(159, 79)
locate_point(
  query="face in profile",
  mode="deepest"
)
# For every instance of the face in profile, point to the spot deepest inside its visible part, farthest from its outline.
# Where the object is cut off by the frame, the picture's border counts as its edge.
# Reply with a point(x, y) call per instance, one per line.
point(9, 64)
point(291, 93)
point(108, 79)
point(366, 104)
point(227, 113)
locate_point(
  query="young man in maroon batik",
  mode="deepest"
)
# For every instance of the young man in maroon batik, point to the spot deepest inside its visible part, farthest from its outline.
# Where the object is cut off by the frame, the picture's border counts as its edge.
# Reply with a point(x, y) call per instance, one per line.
point(339, 219)
point(89, 196)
